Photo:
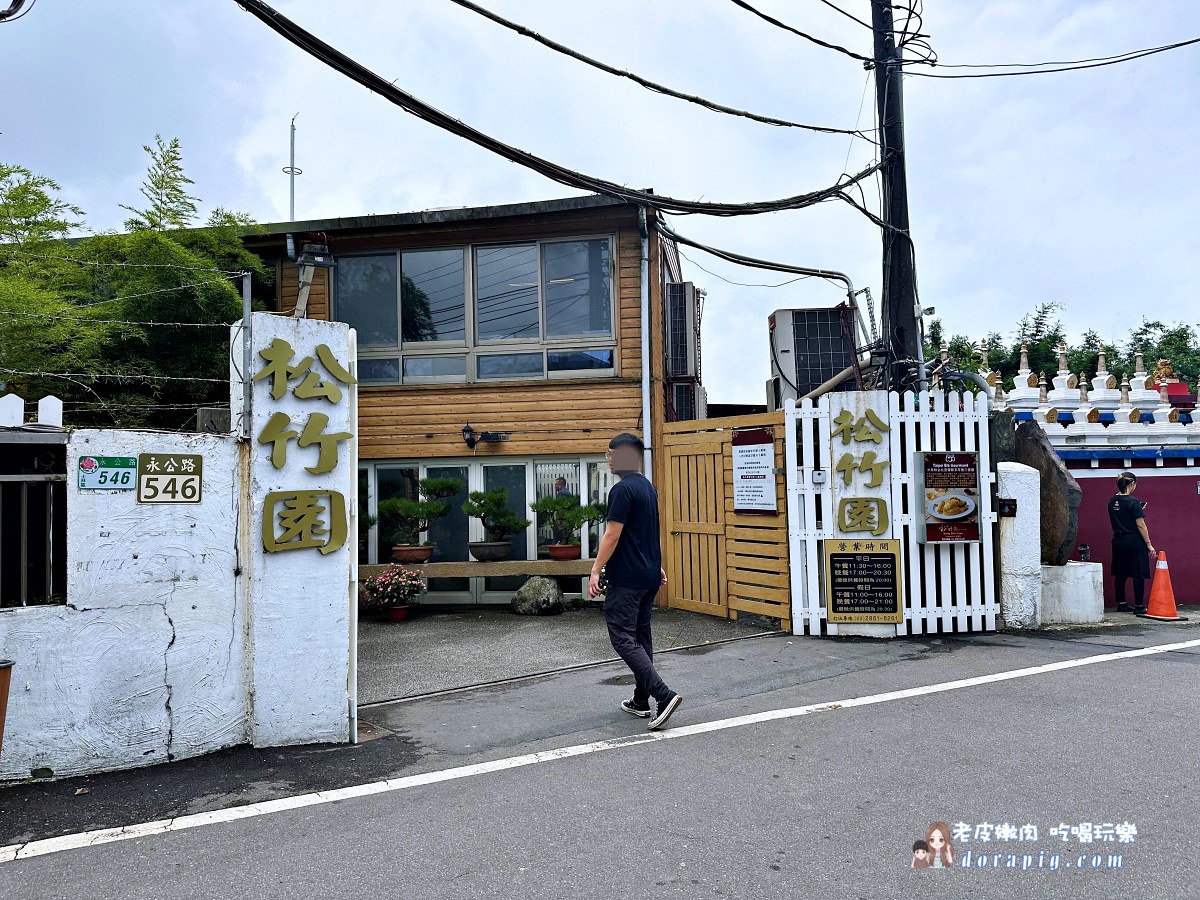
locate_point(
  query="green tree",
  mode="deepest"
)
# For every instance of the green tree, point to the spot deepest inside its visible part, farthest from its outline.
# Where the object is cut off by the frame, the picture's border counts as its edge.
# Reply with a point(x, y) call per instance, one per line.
point(171, 206)
point(129, 330)
point(31, 212)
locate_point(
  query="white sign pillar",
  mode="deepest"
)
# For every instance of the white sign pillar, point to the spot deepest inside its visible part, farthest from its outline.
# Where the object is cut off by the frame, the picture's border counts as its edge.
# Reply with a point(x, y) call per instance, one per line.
point(299, 498)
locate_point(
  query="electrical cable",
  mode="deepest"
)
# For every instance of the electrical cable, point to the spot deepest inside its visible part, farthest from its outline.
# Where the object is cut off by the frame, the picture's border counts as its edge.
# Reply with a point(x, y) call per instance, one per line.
point(1112, 61)
point(646, 83)
point(1050, 62)
point(849, 16)
point(121, 265)
point(368, 79)
point(742, 283)
point(11, 312)
point(117, 376)
point(808, 37)
point(14, 11)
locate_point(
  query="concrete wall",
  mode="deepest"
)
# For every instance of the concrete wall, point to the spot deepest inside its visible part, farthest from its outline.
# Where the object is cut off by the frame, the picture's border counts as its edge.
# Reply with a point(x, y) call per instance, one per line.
point(1020, 546)
point(146, 661)
point(181, 634)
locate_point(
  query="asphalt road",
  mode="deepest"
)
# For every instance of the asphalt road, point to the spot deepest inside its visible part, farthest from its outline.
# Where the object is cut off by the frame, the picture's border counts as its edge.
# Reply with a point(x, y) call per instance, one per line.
point(819, 805)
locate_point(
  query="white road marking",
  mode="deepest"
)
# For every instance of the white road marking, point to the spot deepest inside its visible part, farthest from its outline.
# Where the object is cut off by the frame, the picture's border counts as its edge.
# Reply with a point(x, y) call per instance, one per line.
point(232, 814)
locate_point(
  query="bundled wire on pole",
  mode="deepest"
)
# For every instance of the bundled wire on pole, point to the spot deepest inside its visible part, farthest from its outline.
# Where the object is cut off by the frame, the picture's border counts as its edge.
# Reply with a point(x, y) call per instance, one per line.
point(338, 61)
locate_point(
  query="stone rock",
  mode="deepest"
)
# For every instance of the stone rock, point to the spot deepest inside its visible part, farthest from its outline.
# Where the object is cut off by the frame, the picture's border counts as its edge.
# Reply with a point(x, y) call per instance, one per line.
point(539, 596)
point(1004, 436)
point(1060, 494)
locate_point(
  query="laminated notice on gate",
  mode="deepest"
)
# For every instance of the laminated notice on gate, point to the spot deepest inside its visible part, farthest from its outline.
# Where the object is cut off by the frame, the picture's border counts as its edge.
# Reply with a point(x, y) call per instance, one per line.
point(754, 487)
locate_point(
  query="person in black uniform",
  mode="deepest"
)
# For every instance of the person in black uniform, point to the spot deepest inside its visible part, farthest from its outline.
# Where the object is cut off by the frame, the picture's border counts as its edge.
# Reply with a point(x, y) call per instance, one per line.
point(1131, 547)
point(631, 556)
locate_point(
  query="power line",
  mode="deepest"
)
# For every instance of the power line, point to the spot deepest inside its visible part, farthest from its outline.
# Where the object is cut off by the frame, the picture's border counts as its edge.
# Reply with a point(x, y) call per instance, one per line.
point(1062, 67)
point(10, 312)
point(122, 265)
point(741, 283)
point(807, 37)
point(646, 83)
point(14, 11)
point(117, 376)
point(167, 290)
point(368, 79)
point(852, 18)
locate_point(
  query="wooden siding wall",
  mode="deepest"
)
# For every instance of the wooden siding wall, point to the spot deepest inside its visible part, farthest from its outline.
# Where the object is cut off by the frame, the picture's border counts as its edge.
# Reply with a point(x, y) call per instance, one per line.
point(544, 418)
point(566, 416)
point(288, 289)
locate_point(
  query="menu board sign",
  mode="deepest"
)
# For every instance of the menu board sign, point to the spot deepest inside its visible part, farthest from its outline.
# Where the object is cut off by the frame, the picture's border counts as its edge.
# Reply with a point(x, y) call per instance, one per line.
point(948, 486)
point(863, 581)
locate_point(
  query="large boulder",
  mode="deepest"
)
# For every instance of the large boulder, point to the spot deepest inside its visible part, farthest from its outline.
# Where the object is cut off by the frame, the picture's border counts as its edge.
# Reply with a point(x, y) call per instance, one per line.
point(1061, 493)
point(539, 596)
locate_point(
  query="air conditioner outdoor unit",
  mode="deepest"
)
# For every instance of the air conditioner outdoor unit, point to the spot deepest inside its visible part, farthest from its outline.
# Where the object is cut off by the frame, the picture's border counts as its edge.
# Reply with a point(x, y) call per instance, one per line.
point(808, 347)
point(683, 331)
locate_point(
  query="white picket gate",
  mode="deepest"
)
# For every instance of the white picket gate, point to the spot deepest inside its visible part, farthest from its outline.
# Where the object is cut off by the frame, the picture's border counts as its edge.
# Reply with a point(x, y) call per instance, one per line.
point(946, 587)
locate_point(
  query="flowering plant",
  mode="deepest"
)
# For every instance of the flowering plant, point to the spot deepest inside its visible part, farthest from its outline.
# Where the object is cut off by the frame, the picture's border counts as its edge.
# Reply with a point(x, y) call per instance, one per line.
point(397, 586)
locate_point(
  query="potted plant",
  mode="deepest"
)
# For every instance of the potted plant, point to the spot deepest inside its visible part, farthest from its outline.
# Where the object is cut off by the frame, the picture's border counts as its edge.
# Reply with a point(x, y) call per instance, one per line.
point(567, 518)
point(394, 590)
point(404, 518)
point(499, 522)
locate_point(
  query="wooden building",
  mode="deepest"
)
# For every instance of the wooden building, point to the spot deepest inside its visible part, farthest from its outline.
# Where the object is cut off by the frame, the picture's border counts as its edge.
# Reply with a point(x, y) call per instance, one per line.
point(535, 330)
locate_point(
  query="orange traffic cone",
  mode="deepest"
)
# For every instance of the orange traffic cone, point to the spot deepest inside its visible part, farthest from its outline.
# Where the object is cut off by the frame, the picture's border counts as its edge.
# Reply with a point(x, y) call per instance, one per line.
point(1162, 597)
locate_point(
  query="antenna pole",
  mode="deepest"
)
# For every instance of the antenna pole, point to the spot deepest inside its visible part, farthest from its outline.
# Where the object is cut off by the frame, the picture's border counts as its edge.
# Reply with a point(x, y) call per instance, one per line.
point(291, 171)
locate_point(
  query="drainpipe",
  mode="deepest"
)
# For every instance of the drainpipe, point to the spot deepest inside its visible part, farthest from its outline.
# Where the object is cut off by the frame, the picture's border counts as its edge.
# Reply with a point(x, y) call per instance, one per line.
point(646, 429)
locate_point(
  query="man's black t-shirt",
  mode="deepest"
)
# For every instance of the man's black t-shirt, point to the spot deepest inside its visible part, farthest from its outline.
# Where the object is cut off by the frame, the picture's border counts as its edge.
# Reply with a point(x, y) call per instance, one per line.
point(637, 561)
point(1123, 512)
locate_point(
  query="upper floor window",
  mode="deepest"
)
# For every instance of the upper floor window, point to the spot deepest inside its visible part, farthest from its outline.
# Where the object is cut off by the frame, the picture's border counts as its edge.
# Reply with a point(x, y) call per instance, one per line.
point(429, 315)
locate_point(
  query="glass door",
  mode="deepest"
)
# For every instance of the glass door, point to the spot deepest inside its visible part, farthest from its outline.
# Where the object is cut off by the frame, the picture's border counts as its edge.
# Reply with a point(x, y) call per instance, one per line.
point(451, 534)
point(514, 478)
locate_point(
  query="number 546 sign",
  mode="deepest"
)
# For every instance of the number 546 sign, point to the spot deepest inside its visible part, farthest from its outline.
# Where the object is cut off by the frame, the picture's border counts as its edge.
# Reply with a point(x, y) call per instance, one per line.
point(169, 477)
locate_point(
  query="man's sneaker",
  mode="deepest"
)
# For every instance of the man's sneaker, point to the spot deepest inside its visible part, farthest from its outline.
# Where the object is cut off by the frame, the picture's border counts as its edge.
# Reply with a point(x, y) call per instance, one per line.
point(1139, 610)
point(1124, 607)
point(664, 712)
point(634, 710)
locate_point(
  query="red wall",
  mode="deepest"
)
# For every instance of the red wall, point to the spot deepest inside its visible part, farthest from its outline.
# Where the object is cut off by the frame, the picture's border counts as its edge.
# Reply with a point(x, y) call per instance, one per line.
point(1172, 518)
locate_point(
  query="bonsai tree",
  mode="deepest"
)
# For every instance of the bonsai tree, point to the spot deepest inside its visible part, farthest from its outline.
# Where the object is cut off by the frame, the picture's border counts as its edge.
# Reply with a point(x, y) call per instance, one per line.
point(565, 516)
point(404, 518)
point(491, 508)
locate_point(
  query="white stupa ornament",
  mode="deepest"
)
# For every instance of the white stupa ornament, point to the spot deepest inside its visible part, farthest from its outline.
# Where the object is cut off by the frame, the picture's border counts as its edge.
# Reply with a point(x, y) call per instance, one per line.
point(1142, 391)
point(1105, 394)
point(1025, 393)
point(1126, 428)
point(1166, 427)
point(1045, 414)
point(1064, 393)
point(1085, 419)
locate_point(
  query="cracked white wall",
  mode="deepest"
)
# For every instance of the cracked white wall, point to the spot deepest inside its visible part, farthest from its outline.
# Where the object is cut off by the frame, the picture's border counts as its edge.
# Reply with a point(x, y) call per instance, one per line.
point(146, 663)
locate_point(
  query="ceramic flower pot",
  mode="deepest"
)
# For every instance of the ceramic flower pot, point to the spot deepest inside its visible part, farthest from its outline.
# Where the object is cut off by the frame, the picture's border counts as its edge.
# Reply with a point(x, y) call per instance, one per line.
point(490, 551)
point(564, 551)
point(412, 553)
point(397, 613)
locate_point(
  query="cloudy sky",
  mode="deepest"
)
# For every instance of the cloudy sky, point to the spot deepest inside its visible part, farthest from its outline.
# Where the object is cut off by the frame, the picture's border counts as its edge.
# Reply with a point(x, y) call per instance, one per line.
point(1077, 188)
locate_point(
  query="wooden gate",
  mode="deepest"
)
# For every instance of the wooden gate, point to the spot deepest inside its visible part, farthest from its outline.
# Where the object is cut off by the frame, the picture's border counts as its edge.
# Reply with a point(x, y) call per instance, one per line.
point(718, 561)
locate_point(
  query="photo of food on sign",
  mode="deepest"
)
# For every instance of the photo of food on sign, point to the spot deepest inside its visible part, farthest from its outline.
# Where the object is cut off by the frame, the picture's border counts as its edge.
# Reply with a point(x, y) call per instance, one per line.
point(950, 506)
point(952, 501)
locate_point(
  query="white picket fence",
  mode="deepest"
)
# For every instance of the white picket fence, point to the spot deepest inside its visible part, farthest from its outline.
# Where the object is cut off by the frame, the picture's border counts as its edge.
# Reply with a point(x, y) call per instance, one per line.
point(947, 587)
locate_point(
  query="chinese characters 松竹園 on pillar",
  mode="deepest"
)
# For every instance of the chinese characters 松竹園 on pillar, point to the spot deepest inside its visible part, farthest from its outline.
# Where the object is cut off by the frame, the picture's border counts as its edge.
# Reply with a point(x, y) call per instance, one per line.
point(278, 431)
point(861, 514)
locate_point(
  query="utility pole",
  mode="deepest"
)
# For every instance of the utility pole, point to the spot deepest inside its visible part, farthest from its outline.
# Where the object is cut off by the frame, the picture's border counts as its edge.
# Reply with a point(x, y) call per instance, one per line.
point(291, 171)
point(899, 304)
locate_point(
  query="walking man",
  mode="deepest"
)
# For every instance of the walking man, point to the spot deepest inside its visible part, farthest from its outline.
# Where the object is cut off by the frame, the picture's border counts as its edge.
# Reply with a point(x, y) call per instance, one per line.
point(631, 557)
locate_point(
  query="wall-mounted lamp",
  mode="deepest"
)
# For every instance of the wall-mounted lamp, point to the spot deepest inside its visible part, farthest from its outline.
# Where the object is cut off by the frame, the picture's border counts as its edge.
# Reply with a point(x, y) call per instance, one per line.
point(317, 255)
point(469, 438)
